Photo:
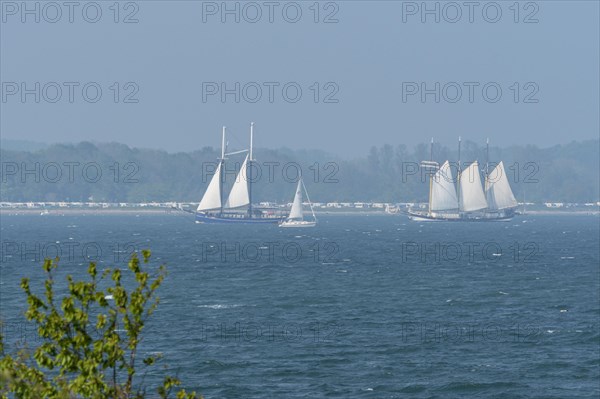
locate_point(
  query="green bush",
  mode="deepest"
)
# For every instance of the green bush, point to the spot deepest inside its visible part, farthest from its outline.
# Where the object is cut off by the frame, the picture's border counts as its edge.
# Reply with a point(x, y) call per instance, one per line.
point(83, 354)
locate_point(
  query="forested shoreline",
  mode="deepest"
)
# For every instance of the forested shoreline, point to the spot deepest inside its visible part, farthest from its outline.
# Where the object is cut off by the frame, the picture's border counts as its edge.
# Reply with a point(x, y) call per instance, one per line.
point(112, 172)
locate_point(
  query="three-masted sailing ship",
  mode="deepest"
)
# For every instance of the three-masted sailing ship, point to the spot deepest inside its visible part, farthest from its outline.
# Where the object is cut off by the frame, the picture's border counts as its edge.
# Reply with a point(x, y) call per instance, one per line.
point(465, 199)
point(237, 207)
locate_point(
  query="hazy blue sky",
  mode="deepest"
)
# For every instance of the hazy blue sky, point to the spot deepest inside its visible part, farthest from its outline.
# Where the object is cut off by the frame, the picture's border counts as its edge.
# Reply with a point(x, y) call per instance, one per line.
point(375, 54)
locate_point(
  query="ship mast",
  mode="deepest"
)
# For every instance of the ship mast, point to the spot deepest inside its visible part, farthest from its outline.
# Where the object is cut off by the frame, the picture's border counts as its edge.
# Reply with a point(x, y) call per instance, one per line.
point(222, 164)
point(431, 151)
point(430, 175)
point(428, 165)
point(487, 158)
point(249, 170)
point(458, 176)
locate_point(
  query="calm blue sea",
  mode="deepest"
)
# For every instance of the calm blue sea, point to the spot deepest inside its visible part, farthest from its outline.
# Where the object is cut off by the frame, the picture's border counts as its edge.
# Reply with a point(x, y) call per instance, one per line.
point(358, 307)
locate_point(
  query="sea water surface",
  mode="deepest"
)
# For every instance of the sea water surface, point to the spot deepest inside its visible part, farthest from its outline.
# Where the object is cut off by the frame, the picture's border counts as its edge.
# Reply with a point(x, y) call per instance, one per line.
point(360, 306)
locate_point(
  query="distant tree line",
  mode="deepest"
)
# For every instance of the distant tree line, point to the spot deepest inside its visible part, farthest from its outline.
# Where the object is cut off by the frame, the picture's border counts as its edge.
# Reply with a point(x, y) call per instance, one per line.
point(112, 172)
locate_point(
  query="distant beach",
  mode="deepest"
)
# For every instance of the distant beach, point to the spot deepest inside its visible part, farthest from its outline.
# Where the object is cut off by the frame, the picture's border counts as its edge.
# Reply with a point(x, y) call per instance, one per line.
point(175, 212)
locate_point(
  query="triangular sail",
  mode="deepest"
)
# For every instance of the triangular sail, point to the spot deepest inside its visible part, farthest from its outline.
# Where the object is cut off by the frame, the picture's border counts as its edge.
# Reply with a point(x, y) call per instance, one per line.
point(296, 211)
point(497, 188)
point(472, 197)
point(309, 203)
point(238, 196)
point(212, 197)
point(443, 192)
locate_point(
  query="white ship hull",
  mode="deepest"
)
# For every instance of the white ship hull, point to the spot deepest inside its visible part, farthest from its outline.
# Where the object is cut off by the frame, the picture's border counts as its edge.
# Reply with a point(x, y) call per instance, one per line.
point(297, 223)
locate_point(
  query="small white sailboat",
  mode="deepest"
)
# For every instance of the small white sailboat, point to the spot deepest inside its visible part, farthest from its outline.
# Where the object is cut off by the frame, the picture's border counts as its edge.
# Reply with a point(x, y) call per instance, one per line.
point(296, 216)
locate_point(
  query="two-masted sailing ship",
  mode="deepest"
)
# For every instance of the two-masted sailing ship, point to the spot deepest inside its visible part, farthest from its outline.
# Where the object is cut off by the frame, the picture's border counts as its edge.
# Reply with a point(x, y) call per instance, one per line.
point(237, 207)
point(464, 198)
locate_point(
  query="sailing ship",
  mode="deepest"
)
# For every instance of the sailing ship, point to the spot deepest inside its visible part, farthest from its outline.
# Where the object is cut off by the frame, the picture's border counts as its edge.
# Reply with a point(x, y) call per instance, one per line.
point(464, 199)
point(237, 208)
point(296, 216)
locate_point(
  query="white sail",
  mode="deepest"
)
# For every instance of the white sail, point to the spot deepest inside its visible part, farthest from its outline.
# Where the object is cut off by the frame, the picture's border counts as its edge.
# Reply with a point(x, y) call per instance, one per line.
point(212, 196)
point(443, 192)
point(238, 196)
point(497, 188)
point(472, 197)
point(296, 211)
